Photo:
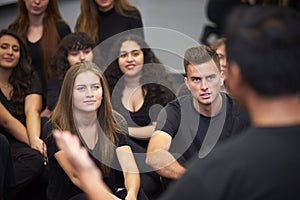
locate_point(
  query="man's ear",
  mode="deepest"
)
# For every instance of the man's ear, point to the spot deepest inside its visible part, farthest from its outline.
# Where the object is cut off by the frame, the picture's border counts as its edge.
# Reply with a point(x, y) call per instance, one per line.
point(186, 83)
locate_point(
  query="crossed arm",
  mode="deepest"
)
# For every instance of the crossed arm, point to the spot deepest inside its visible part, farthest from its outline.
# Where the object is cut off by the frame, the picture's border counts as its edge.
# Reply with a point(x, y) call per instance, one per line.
point(79, 167)
point(83, 172)
point(130, 171)
point(159, 157)
point(142, 133)
point(33, 106)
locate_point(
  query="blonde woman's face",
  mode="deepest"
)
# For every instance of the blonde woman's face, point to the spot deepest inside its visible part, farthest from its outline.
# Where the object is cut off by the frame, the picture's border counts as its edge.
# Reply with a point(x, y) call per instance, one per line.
point(36, 7)
point(87, 92)
point(105, 5)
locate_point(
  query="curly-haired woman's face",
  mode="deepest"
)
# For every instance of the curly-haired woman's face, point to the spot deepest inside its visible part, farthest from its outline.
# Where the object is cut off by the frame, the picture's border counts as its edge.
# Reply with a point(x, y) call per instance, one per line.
point(36, 7)
point(131, 58)
point(9, 51)
point(80, 56)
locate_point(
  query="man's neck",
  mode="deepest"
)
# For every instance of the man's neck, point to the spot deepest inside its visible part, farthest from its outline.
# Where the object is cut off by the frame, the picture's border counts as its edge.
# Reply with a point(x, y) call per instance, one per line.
point(278, 111)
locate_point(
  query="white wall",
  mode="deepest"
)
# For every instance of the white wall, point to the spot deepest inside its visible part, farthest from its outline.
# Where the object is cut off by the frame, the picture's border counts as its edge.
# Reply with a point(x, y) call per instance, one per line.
point(6, 2)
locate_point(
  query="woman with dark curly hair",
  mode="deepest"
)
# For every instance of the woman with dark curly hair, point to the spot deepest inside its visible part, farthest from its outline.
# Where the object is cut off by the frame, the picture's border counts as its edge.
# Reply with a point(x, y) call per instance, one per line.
point(75, 47)
point(20, 106)
point(140, 87)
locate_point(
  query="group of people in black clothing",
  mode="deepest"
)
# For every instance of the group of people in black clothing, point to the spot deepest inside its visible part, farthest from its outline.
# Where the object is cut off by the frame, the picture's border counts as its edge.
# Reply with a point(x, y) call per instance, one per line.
point(106, 123)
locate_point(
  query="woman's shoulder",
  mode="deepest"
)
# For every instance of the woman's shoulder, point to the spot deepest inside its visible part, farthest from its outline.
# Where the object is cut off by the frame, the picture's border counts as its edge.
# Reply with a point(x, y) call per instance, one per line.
point(134, 13)
point(118, 117)
point(35, 87)
point(63, 28)
point(120, 121)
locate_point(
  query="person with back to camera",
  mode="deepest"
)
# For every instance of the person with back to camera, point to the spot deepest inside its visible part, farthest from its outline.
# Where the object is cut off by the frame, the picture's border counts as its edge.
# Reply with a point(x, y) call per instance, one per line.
point(20, 105)
point(87, 113)
point(103, 19)
point(75, 47)
point(139, 87)
point(40, 23)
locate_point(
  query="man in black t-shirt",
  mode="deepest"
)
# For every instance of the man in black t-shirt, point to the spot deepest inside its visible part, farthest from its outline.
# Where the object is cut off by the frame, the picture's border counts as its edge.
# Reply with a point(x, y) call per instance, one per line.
point(193, 124)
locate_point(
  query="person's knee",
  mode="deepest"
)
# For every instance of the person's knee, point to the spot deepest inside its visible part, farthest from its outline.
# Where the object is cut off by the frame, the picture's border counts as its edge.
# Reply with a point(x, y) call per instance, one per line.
point(32, 160)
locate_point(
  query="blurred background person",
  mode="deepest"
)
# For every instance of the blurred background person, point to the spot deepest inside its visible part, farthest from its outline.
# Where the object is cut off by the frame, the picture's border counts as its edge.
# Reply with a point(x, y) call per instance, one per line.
point(219, 46)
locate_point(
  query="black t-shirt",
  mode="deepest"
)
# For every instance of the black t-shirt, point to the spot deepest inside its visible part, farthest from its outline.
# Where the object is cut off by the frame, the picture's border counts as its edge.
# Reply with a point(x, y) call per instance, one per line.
point(193, 133)
point(262, 163)
point(8, 104)
point(60, 187)
point(144, 116)
point(110, 24)
point(35, 52)
point(53, 91)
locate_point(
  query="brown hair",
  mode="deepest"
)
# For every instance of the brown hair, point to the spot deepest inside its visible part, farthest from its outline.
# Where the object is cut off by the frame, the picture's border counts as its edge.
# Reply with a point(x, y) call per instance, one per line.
point(218, 43)
point(50, 38)
point(87, 21)
point(199, 55)
point(62, 116)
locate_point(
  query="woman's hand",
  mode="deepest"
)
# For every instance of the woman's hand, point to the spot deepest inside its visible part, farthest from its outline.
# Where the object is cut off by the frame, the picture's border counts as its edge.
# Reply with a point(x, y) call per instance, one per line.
point(39, 145)
point(130, 196)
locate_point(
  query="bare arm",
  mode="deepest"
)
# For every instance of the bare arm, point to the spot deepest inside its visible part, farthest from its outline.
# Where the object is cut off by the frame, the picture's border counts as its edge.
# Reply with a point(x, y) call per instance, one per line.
point(61, 158)
point(12, 125)
point(90, 181)
point(159, 157)
point(93, 187)
point(143, 133)
point(130, 171)
point(33, 106)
